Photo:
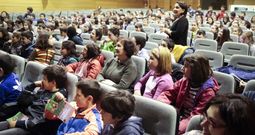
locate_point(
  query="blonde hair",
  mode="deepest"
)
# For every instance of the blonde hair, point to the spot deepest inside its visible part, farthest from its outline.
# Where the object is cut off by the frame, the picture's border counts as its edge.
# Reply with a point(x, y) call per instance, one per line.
point(163, 55)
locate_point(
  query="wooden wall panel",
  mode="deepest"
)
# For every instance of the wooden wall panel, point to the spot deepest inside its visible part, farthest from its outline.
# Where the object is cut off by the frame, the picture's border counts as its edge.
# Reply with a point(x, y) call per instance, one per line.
point(51, 5)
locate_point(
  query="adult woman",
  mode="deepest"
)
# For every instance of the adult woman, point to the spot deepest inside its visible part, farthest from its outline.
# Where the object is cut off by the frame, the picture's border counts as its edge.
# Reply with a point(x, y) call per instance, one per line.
point(235, 112)
point(120, 72)
point(89, 66)
point(179, 30)
point(190, 94)
point(228, 115)
point(158, 79)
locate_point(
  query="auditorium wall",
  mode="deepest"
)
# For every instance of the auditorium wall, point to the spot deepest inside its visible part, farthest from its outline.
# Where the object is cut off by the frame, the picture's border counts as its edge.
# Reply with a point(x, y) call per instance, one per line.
point(51, 5)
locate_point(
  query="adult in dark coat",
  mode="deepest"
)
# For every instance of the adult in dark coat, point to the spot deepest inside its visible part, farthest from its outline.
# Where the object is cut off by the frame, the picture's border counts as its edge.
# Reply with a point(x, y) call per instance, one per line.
point(179, 30)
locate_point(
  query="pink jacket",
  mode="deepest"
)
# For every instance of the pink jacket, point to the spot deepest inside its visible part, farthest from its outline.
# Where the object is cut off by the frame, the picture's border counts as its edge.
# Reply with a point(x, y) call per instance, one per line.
point(178, 94)
point(93, 68)
point(163, 83)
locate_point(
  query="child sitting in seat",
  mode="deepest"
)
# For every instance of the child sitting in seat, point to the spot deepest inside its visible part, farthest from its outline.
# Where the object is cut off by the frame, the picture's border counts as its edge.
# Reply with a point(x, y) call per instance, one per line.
point(90, 65)
point(54, 80)
point(9, 84)
point(43, 51)
point(68, 52)
point(87, 119)
point(117, 110)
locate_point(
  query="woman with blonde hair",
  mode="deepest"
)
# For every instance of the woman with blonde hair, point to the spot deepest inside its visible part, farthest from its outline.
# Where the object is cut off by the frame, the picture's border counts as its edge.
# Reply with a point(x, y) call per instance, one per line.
point(158, 79)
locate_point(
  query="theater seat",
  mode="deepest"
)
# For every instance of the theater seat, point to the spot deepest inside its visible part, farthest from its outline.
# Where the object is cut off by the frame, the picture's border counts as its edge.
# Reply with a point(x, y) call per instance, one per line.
point(158, 118)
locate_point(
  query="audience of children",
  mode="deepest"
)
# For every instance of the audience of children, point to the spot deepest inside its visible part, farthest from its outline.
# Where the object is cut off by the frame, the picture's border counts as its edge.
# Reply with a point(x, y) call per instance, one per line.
point(189, 95)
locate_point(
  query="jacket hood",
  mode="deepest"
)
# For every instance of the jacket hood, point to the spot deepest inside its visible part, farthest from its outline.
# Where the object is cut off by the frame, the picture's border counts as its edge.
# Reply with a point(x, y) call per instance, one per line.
point(211, 83)
point(135, 123)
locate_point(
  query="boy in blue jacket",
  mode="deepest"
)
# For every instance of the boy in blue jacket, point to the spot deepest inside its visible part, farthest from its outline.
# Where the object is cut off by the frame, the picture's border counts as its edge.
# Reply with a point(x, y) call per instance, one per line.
point(9, 82)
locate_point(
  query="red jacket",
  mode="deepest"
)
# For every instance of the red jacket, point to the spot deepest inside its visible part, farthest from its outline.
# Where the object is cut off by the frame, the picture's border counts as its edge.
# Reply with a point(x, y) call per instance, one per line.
point(178, 94)
point(93, 68)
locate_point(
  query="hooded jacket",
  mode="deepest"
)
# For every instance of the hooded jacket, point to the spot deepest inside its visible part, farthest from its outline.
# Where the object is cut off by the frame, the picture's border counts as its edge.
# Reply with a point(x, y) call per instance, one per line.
point(179, 93)
point(132, 126)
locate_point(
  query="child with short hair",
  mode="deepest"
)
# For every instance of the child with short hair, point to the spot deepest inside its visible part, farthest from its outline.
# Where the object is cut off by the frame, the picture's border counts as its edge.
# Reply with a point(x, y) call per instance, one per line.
point(27, 46)
point(54, 80)
point(87, 119)
point(13, 46)
point(9, 81)
point(117, 110)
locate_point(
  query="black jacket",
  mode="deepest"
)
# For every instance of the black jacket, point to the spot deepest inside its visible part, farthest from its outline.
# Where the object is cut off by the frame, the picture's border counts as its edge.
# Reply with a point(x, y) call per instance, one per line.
point(35, 111)
point(180, 31)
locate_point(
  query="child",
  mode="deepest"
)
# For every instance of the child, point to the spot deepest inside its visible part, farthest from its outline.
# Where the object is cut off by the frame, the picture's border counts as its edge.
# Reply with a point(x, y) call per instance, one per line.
point(14, 45)
point(27, 46)
point(89, 66)
point(190, 94)
point(158, 79)
point(87, 119)
point(68, 52)
point(54, 80)
point(9, 84)
point(117, 110)
point(43, 51)
point(4, 37)
point(113, 35)
point(139, 46)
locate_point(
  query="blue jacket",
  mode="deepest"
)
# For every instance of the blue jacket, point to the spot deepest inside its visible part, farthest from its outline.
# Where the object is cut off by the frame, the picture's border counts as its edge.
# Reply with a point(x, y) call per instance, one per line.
point(10, 88)
point(132, 126)
point(245, 75)
point(26, 50)
point(81, 121)
point(77, 40)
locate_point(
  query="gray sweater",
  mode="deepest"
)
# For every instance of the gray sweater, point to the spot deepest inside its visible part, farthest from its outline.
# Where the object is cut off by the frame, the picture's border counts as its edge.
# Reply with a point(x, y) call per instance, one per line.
point(122, 74)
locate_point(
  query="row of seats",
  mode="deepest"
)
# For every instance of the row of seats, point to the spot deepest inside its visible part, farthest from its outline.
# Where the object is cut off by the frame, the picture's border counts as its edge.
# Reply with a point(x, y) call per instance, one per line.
point(161, 119)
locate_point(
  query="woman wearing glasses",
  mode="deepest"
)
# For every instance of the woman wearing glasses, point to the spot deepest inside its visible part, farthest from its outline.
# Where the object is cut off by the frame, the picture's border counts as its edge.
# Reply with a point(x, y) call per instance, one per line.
point(227, 115)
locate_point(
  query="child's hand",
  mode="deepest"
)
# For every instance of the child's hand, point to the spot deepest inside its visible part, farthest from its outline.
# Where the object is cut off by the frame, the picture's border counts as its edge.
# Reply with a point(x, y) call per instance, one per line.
point(12, 123)
point(38, 83)
point(59, 97)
